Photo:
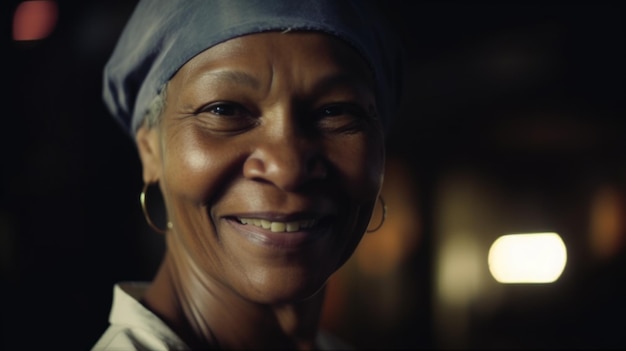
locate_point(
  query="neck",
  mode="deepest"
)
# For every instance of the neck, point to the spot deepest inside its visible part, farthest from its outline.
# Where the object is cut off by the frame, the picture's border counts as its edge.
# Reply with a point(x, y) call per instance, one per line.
point(207, 314)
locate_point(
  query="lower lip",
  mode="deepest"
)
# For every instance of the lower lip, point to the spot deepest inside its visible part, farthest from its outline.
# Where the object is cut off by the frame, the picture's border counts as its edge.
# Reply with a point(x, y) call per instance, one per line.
point(279, 240)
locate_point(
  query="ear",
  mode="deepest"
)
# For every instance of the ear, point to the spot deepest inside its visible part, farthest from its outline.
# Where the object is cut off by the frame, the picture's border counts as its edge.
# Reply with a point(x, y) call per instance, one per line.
point(149, 153)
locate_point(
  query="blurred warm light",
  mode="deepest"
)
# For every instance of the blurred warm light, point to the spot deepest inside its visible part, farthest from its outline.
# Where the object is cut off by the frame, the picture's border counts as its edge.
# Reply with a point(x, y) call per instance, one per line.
point(608, 222)
point(34, 20)
point(527, 258)
point(459, 270)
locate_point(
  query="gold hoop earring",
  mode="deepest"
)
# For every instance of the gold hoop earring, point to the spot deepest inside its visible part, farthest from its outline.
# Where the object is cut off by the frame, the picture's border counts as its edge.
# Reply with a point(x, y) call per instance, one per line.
point(384, 216)
point(142, 200)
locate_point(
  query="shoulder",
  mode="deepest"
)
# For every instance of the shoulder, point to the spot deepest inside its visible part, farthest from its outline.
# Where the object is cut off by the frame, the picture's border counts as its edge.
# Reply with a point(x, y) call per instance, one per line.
point(133, 327)
point(126, 338)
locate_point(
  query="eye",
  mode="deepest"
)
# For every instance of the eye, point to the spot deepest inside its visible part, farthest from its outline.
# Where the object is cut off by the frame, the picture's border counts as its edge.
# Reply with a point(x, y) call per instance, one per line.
point(343, 110)
point(342, 117)
point(225, 116)
point(227, 109)
point(333, 110)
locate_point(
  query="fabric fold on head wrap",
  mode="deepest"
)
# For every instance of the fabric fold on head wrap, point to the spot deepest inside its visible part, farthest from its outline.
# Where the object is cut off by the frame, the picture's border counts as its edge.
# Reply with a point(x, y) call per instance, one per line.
point(162, 35)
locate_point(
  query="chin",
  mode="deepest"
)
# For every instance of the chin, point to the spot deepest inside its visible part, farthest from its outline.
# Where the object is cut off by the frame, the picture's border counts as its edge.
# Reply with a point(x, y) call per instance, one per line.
point(283, 290)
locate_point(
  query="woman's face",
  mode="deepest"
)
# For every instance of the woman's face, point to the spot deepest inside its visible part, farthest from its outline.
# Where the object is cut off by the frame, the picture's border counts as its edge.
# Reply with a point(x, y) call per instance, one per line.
point(270, 158)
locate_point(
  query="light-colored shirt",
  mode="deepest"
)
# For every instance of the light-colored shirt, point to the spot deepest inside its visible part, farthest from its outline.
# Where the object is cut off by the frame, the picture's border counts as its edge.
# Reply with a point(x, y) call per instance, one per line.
point(134, 327)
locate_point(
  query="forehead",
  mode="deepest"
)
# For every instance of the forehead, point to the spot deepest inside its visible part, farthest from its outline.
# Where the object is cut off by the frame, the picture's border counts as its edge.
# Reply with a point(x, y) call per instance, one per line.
point(303, 52)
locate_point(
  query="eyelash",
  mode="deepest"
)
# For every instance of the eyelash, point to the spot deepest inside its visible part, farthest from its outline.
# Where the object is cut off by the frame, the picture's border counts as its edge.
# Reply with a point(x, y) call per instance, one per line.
point(325, 111)
point(233, 109)
point(345, 108)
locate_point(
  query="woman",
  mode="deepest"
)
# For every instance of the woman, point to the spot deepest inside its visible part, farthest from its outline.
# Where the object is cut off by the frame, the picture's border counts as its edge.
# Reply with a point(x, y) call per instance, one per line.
point(262, 124)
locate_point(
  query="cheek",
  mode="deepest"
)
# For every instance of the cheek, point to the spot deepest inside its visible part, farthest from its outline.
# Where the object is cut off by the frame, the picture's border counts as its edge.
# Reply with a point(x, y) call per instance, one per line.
point(360, 164)
point(361, 168)
point(187, 171)
point(194, 167)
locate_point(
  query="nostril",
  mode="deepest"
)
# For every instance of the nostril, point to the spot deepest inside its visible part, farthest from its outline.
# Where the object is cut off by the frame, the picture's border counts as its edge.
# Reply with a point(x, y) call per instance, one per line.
point(254, 168)
point(289, 163)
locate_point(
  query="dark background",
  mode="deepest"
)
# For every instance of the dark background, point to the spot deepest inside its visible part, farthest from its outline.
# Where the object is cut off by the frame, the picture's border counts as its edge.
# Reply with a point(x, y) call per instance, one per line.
point(504, 87)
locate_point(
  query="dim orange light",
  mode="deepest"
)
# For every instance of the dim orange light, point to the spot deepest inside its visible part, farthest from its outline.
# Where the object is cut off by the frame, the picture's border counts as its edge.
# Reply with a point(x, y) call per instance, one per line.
point(34, 20)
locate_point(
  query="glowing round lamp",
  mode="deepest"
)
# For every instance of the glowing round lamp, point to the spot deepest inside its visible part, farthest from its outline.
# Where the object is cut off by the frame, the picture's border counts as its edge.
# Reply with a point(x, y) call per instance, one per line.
point(527, 258)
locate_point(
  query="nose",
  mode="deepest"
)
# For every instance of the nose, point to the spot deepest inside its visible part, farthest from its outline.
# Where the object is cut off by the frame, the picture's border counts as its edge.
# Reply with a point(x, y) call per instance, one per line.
point(288, 161)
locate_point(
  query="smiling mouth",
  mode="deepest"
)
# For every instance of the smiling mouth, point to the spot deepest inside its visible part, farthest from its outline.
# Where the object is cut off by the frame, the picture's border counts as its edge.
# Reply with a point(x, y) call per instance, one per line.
point(279, 227)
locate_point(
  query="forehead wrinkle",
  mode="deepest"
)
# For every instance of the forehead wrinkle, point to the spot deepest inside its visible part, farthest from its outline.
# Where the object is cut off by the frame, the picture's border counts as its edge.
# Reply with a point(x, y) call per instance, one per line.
point(228, 76)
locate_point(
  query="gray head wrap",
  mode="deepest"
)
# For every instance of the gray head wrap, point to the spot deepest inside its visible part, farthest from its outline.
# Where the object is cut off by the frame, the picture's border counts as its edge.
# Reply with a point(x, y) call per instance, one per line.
point(162, 35)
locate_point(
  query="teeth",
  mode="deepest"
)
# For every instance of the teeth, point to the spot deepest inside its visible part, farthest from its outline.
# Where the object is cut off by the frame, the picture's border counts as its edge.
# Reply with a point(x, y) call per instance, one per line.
point(279, 227)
